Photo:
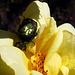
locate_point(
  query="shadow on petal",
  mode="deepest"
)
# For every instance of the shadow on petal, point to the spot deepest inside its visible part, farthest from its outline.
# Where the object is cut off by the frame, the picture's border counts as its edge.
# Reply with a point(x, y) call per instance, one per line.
point(5, 34)
point(72, 72)
point(5, 69)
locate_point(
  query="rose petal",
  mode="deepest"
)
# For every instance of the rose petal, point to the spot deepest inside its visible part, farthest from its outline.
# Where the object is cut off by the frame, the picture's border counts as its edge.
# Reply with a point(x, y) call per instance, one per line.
point(65, 70)
point(68, 27)
point(5, 34)
point(26, 60)
point(48, 35)
point(33, 72)
point(31, 47)
point(11, 61)
point(67, 48)
point(53, 45)
point(38, 11)
point(53, 64)
point(72, 72)
point(6, 41)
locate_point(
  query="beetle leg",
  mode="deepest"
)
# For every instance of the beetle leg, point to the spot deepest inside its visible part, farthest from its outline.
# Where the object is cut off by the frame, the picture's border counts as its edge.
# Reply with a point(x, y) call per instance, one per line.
point(24, 48)
point(33, 42)
point(21, 45)
point(17, 44)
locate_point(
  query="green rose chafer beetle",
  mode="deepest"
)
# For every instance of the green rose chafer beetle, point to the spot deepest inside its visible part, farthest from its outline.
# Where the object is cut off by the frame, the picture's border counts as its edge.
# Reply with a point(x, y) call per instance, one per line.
point(26, 32)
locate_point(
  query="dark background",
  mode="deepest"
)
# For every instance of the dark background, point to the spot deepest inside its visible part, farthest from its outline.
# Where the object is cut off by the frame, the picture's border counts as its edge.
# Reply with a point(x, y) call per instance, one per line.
point(11, 10)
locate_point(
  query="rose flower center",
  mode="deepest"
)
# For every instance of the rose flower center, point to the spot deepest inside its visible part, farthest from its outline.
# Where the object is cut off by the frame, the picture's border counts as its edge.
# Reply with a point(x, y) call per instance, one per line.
point(38, 63)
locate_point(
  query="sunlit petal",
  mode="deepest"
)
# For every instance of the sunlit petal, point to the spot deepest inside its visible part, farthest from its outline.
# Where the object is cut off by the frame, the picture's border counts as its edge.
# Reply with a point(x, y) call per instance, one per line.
point(11, 61)
point(48, 35)
point(55, 44)
point(6, 41)
point(53, 64)
point(31, 47)
point(67, 48)
point(45, 11)
point(65, 70)
point(68, 27)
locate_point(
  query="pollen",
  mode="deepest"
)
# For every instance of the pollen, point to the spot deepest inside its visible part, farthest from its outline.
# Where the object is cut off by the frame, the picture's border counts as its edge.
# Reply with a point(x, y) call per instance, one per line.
point(38, 63)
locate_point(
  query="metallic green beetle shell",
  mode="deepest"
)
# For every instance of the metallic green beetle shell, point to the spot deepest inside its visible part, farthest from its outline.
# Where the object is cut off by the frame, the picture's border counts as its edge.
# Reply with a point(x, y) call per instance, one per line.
point(27, 30)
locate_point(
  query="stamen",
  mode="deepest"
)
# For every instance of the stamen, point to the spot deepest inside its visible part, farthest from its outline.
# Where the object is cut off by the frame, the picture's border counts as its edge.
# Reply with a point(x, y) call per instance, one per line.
point(38, 63)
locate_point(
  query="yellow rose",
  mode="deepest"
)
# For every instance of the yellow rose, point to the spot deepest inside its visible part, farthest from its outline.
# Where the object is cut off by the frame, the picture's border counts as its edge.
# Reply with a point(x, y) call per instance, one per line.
point(52, 54)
